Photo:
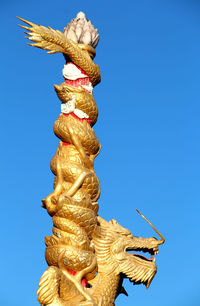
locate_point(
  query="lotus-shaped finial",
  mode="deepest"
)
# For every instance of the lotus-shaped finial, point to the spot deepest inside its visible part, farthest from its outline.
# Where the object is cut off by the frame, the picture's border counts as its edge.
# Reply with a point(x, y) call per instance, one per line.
point(81, 31)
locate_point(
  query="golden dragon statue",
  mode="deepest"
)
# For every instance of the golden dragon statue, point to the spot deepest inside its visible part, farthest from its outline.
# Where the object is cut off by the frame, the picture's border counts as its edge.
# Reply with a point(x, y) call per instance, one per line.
point(87, 256)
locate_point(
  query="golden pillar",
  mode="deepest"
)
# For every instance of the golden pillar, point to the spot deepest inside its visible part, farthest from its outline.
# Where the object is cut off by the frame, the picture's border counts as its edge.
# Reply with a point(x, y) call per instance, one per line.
point(87, 256)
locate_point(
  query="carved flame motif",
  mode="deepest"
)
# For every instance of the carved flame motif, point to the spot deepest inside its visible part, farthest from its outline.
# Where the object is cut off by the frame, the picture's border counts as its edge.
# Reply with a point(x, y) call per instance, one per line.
point(87, 256)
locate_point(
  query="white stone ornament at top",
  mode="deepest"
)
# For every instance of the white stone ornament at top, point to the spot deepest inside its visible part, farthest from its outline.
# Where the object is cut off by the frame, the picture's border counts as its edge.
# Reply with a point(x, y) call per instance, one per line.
point(80, 30)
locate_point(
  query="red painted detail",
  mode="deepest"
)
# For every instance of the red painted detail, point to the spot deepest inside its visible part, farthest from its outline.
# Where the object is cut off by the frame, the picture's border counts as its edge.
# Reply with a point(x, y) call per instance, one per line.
point(72, 272)
point(80, 119)
point(66, 143)
point(72, 114)
point(84, 281)
point(78, 82)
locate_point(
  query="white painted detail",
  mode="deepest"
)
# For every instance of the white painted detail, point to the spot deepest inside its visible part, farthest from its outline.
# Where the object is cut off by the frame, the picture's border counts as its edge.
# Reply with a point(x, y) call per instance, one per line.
point(71, 72)
point(68, 107)
point(88, 87)
point(79, 113)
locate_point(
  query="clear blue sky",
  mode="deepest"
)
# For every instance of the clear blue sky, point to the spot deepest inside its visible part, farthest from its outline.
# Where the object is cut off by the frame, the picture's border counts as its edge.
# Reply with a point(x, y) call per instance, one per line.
point(149, 55)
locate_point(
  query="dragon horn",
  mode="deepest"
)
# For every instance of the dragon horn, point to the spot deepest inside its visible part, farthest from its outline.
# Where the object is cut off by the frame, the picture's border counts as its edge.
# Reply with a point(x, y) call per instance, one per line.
point(161, 236)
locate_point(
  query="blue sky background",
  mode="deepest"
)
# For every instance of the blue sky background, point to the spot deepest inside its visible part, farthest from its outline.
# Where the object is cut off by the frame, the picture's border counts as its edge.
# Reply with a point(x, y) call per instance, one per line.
point(149, 56)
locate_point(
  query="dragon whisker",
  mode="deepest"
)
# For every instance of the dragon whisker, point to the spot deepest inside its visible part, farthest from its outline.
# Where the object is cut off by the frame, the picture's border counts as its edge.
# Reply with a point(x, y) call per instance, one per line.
point(161, 236)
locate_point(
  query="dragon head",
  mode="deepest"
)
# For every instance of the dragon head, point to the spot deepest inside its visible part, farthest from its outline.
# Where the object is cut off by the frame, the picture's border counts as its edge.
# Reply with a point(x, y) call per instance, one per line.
point(113, 244)
point(78, 98)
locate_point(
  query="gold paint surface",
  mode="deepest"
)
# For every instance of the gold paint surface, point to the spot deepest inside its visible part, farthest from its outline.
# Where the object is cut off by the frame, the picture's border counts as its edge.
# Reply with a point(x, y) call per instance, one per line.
point(83, 242)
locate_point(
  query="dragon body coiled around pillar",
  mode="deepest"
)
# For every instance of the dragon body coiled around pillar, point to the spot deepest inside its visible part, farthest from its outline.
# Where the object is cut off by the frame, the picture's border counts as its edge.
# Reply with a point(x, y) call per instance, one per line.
point(73, 204)
point(87, 256)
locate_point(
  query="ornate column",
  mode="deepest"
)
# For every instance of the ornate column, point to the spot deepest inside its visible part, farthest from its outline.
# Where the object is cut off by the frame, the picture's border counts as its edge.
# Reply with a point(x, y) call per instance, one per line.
point(86, 255)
